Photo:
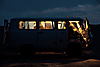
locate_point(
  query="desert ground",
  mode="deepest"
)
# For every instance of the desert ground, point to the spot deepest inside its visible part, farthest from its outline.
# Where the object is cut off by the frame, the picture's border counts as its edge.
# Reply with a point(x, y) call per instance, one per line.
point(90, 56)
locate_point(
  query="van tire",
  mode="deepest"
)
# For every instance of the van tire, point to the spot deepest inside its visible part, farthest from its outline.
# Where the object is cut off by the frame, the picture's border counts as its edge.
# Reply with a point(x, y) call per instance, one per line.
point(74, 50)
point(27, 50)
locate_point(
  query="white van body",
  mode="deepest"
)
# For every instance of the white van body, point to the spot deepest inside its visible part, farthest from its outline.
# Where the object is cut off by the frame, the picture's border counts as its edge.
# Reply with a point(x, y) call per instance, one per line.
point(48, 39)
point(42, 39)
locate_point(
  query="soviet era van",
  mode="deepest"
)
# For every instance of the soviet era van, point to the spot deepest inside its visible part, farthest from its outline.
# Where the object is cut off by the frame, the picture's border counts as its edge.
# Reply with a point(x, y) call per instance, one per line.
point(28, 35)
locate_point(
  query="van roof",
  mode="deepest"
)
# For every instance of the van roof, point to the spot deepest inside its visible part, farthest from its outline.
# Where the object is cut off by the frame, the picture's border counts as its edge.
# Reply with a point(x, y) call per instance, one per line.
point(46, 18)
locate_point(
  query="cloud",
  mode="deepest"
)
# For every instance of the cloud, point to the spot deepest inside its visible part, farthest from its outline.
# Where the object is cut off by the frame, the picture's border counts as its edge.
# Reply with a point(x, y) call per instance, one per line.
point(86, 10)
point(80, 5)
point(58, 9)
point(78, 10)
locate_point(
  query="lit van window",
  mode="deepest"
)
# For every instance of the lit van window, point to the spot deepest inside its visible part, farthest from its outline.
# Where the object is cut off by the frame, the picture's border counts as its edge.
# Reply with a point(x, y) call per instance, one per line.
point(27, 25)
point(61, 25)
point(46, 25)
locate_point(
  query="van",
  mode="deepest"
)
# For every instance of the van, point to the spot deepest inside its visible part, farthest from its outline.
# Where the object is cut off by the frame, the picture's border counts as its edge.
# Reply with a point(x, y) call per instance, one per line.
point(30, 35)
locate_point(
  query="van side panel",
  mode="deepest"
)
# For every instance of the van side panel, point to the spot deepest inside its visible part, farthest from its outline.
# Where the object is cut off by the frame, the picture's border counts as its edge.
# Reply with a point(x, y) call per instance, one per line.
point(53, 39)
point(18, 37)
point(62, 38)
point(47, 39)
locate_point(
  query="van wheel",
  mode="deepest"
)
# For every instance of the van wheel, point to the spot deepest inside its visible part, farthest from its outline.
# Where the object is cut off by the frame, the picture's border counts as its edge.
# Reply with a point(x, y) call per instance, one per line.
point(74, 50)
point(27, 50)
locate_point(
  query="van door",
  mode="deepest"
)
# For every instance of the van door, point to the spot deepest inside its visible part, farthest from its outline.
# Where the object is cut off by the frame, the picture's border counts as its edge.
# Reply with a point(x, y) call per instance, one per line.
point(47, 35)
point(62, 35)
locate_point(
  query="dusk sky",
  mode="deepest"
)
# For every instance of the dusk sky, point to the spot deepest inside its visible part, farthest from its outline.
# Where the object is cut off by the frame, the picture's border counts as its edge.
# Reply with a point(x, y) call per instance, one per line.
point(50, 8)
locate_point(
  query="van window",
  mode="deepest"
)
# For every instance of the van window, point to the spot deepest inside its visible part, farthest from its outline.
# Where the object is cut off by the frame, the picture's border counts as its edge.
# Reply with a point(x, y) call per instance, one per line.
point(27, 25)
point(46, 25)
point(61, 25)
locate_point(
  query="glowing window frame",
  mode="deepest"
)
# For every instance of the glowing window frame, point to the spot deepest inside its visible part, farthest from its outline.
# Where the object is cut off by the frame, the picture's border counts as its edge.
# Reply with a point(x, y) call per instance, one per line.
point(59, 24)
point(27, 25)
point(45, 26)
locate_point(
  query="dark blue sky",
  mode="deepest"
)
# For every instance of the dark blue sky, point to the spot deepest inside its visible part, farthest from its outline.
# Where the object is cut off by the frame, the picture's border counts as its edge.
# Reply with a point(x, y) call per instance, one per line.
point(50, 8)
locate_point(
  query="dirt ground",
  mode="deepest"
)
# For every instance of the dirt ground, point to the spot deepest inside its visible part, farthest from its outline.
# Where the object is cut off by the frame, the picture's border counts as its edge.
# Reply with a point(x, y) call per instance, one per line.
point(49, 60)
point(90, 58)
